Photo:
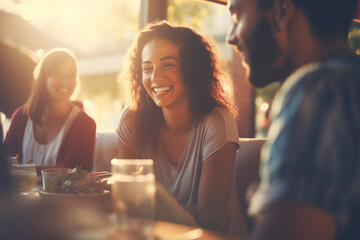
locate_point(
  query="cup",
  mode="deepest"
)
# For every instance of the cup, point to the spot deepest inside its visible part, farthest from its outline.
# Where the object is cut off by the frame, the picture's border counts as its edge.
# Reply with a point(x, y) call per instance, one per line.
point(133, 194)
point(12, 160)
point(48, 173)
point(24, 177)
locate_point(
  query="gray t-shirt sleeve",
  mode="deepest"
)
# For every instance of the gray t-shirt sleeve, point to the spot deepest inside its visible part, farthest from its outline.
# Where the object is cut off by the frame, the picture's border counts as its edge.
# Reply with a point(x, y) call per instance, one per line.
point(220, 128)
point(126, 130)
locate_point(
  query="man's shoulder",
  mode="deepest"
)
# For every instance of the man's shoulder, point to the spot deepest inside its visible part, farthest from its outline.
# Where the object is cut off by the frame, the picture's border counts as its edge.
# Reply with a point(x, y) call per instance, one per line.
point(347, 61)
point(337, 72)
point(343, 65)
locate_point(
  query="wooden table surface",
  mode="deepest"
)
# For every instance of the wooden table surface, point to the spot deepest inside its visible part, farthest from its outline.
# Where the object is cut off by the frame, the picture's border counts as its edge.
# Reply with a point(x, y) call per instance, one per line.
point(162, 230)
point(166, 230)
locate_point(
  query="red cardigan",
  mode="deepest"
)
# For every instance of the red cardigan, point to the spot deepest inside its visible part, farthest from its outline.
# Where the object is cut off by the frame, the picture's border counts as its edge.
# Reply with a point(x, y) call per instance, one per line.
point(77, 148)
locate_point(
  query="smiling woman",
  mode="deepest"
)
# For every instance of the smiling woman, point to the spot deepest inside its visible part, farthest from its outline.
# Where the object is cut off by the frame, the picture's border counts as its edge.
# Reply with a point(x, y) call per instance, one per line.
point(49, 129)
point(161, 75)
point(182, 118)
point(98, 32)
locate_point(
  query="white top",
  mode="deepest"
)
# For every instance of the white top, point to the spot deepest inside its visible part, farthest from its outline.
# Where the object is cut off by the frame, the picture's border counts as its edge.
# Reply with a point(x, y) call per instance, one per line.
point(182, 180)
point(45, 154)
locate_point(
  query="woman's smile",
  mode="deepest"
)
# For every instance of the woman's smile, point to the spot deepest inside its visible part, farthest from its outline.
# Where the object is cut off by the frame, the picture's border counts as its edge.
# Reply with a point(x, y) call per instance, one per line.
point(161, 90)
point(161, 73)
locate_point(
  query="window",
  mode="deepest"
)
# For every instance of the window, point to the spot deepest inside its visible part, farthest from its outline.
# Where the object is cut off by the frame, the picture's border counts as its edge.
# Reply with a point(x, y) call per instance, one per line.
point(98, 32)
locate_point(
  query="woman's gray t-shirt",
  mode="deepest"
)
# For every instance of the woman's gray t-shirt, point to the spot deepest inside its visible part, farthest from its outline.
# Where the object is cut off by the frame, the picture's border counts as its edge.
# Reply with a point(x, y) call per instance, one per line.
point(182, 180)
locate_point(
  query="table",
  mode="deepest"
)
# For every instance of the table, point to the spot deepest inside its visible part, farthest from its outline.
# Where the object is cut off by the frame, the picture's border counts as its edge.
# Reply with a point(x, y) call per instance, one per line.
point(172, 231)
point(162, 231)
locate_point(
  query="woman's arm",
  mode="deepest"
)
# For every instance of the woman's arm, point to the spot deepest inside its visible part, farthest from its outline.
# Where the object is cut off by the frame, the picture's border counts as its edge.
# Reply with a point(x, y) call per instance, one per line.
point(126, 152)
point(214, 187)
point(78, 147)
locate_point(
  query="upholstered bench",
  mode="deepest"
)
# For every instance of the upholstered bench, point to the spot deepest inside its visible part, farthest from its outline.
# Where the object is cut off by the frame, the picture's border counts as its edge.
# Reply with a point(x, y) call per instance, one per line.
point(106, 148)
point(247, 171)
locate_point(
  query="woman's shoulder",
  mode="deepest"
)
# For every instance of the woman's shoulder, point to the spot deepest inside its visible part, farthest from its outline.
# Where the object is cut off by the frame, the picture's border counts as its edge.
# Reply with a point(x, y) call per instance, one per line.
point(19, 114)
point(126, 127)
point(128, 114)
point(84, 119)
point(219, 119)
point(223, 111)
point(219, 114)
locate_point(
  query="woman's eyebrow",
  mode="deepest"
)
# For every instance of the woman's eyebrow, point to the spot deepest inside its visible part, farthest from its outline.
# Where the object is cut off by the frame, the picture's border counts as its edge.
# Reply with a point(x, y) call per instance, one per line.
point(168, 57)
point(162, 59)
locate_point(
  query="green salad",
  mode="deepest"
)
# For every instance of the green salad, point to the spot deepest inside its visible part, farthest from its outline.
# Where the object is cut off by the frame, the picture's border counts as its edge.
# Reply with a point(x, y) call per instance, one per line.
point(63, 182)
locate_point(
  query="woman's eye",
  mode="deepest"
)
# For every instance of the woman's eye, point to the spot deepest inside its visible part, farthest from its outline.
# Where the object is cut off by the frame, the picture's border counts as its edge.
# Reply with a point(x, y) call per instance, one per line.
point(166, 65)
point(147, 69)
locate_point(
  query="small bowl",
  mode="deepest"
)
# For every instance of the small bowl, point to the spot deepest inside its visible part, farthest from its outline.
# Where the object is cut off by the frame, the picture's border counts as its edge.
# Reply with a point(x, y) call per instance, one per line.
point(48, 173)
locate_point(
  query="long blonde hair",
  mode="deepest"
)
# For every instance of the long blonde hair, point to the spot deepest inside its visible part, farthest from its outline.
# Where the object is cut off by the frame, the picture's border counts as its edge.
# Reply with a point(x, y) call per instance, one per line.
point(35, 105)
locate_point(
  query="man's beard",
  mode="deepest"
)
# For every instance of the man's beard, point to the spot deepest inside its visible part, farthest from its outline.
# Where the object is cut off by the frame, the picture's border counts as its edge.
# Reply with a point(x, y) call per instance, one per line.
point(262, 53)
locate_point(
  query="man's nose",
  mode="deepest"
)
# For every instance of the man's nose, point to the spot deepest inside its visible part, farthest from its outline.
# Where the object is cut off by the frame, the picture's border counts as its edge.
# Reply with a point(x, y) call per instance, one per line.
point(231, 36)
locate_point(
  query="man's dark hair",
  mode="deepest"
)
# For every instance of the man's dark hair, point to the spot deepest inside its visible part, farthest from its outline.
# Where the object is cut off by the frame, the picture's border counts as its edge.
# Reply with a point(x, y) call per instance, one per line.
point(326, 17)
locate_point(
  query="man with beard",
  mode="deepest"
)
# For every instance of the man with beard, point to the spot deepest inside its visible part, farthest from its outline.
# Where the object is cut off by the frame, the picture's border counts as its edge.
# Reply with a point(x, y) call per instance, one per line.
point(310, 169)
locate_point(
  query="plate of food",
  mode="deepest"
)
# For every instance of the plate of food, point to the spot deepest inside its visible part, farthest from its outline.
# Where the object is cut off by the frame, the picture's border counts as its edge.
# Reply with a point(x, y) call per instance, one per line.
point(78, 184)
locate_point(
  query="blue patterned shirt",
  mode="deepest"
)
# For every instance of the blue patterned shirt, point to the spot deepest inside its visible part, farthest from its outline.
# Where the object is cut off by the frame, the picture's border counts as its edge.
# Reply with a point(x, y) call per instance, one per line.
point(313, 153)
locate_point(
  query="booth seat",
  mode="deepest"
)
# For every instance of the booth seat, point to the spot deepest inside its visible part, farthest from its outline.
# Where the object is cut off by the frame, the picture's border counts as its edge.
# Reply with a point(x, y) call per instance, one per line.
point(106, 148)
point(247, 171)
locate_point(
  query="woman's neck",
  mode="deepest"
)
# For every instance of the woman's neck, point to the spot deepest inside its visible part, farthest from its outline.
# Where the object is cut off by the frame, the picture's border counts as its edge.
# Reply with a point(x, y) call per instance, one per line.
point(57, 109)
point(177, 120)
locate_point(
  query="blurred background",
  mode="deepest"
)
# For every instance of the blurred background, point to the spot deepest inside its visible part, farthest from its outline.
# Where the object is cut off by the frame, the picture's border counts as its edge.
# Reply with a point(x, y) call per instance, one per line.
point(99, 32)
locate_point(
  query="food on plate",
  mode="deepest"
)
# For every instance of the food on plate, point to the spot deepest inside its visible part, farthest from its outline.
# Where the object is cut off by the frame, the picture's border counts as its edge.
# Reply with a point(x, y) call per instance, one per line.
point(80, 181)
point(93, 183)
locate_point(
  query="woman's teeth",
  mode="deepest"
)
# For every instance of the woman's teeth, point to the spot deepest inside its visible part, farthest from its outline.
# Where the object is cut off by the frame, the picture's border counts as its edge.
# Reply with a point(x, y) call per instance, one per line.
point(161, 90)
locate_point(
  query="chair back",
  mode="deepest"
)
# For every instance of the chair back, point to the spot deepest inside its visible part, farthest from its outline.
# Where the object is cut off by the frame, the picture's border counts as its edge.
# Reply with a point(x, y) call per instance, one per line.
point(106, 148)
point(247, 171)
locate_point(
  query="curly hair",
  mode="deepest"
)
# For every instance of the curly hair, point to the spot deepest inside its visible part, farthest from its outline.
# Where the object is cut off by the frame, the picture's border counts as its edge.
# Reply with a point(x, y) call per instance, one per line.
point(202, 78)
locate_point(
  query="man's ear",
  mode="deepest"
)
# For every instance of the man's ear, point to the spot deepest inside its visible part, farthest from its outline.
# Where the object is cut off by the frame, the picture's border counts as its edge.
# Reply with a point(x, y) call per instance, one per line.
point(283, 11)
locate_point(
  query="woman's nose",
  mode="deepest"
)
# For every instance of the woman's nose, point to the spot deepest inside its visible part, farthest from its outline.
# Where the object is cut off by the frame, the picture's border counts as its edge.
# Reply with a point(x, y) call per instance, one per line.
point(64, 79)
point(156, 74)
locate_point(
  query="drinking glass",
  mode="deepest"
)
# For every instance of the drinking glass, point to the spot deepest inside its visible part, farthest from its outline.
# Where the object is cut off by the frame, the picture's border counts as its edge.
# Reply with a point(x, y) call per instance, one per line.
point(133, 194)
point(24, 177)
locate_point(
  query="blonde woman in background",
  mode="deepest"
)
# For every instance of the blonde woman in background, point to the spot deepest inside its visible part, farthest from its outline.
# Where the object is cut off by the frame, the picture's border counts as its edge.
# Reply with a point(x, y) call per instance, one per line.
point(50, 129)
